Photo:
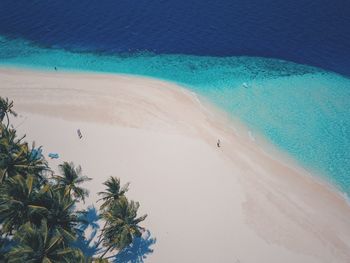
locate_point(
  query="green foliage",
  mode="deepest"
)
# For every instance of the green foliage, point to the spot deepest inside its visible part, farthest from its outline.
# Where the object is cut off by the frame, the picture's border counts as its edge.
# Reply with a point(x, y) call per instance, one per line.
point(100, 260)
point(122, 223)
point(19, 202)
point(61, 215)
point(16, 157)
point(113, 192)
point(70, 179)
point(120, 216)
point(25, 200)
point(38, 219)
point(34, 213)
point(40, 244)
point(6, 109)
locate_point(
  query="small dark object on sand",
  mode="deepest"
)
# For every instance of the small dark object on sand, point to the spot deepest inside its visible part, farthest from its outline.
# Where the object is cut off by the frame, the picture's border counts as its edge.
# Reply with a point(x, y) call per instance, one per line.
point(218, 143)
point(79, 134)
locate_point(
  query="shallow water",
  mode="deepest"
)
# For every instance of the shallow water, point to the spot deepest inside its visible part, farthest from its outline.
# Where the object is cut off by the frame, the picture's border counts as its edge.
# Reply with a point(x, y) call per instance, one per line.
point(304, 111)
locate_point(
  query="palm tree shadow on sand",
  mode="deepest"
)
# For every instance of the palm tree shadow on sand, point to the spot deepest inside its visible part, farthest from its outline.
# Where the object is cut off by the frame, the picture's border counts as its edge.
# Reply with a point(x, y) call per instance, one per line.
point(136, 252)
point(87, 245)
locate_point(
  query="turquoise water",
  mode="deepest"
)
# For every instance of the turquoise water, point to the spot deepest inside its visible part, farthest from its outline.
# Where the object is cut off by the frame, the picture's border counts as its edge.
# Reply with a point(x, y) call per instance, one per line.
point(302, 110)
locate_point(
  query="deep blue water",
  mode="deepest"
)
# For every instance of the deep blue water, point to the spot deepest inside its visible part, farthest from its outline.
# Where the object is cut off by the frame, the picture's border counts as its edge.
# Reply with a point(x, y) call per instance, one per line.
point(303, 110)
point(313, 32)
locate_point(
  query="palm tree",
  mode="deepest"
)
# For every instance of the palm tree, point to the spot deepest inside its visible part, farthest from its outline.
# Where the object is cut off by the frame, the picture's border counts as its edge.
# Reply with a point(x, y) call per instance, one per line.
point(70, 179)
point(113, 192)
point(37, 215)
point(122, 224)
point(16, 157)
point(25, 200)
point(19, 203)
point(6, 109)
point(41, 245)
point(61, 215)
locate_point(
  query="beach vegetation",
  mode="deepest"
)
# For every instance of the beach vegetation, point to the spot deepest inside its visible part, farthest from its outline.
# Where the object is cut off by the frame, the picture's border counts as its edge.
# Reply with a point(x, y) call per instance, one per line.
point(113, 192)
point(39, 221)
point(70, 180)
point(6, 109)
point(122, 224)
point(16, 157)
point(41, 244)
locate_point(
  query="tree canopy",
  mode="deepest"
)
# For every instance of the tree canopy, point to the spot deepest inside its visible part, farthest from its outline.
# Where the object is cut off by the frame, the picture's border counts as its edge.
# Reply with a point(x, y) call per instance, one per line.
point(38, 217)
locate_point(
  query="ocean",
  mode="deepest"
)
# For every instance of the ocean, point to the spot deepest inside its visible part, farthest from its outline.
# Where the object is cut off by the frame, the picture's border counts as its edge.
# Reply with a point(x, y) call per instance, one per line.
point(281, 67)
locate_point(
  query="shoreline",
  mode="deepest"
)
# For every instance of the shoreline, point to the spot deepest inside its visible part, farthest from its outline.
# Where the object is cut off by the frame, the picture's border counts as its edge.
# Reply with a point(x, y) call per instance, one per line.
point(237, 126)
point(137, 104)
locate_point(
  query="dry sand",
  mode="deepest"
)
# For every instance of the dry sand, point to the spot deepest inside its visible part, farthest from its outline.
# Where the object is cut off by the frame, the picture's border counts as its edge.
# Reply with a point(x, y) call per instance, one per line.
point(235, 203)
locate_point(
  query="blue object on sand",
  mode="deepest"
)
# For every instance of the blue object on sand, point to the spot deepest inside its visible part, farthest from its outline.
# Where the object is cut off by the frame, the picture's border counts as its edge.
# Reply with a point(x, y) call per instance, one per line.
point(54, 155)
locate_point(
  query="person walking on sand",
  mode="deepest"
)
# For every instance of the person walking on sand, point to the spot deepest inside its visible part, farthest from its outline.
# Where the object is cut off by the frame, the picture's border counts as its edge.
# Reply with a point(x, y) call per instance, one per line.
point(218, 143)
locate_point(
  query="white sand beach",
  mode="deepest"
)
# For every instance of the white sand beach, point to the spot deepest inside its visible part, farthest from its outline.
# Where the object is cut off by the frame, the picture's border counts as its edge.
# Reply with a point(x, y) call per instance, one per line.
point(235, 203)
